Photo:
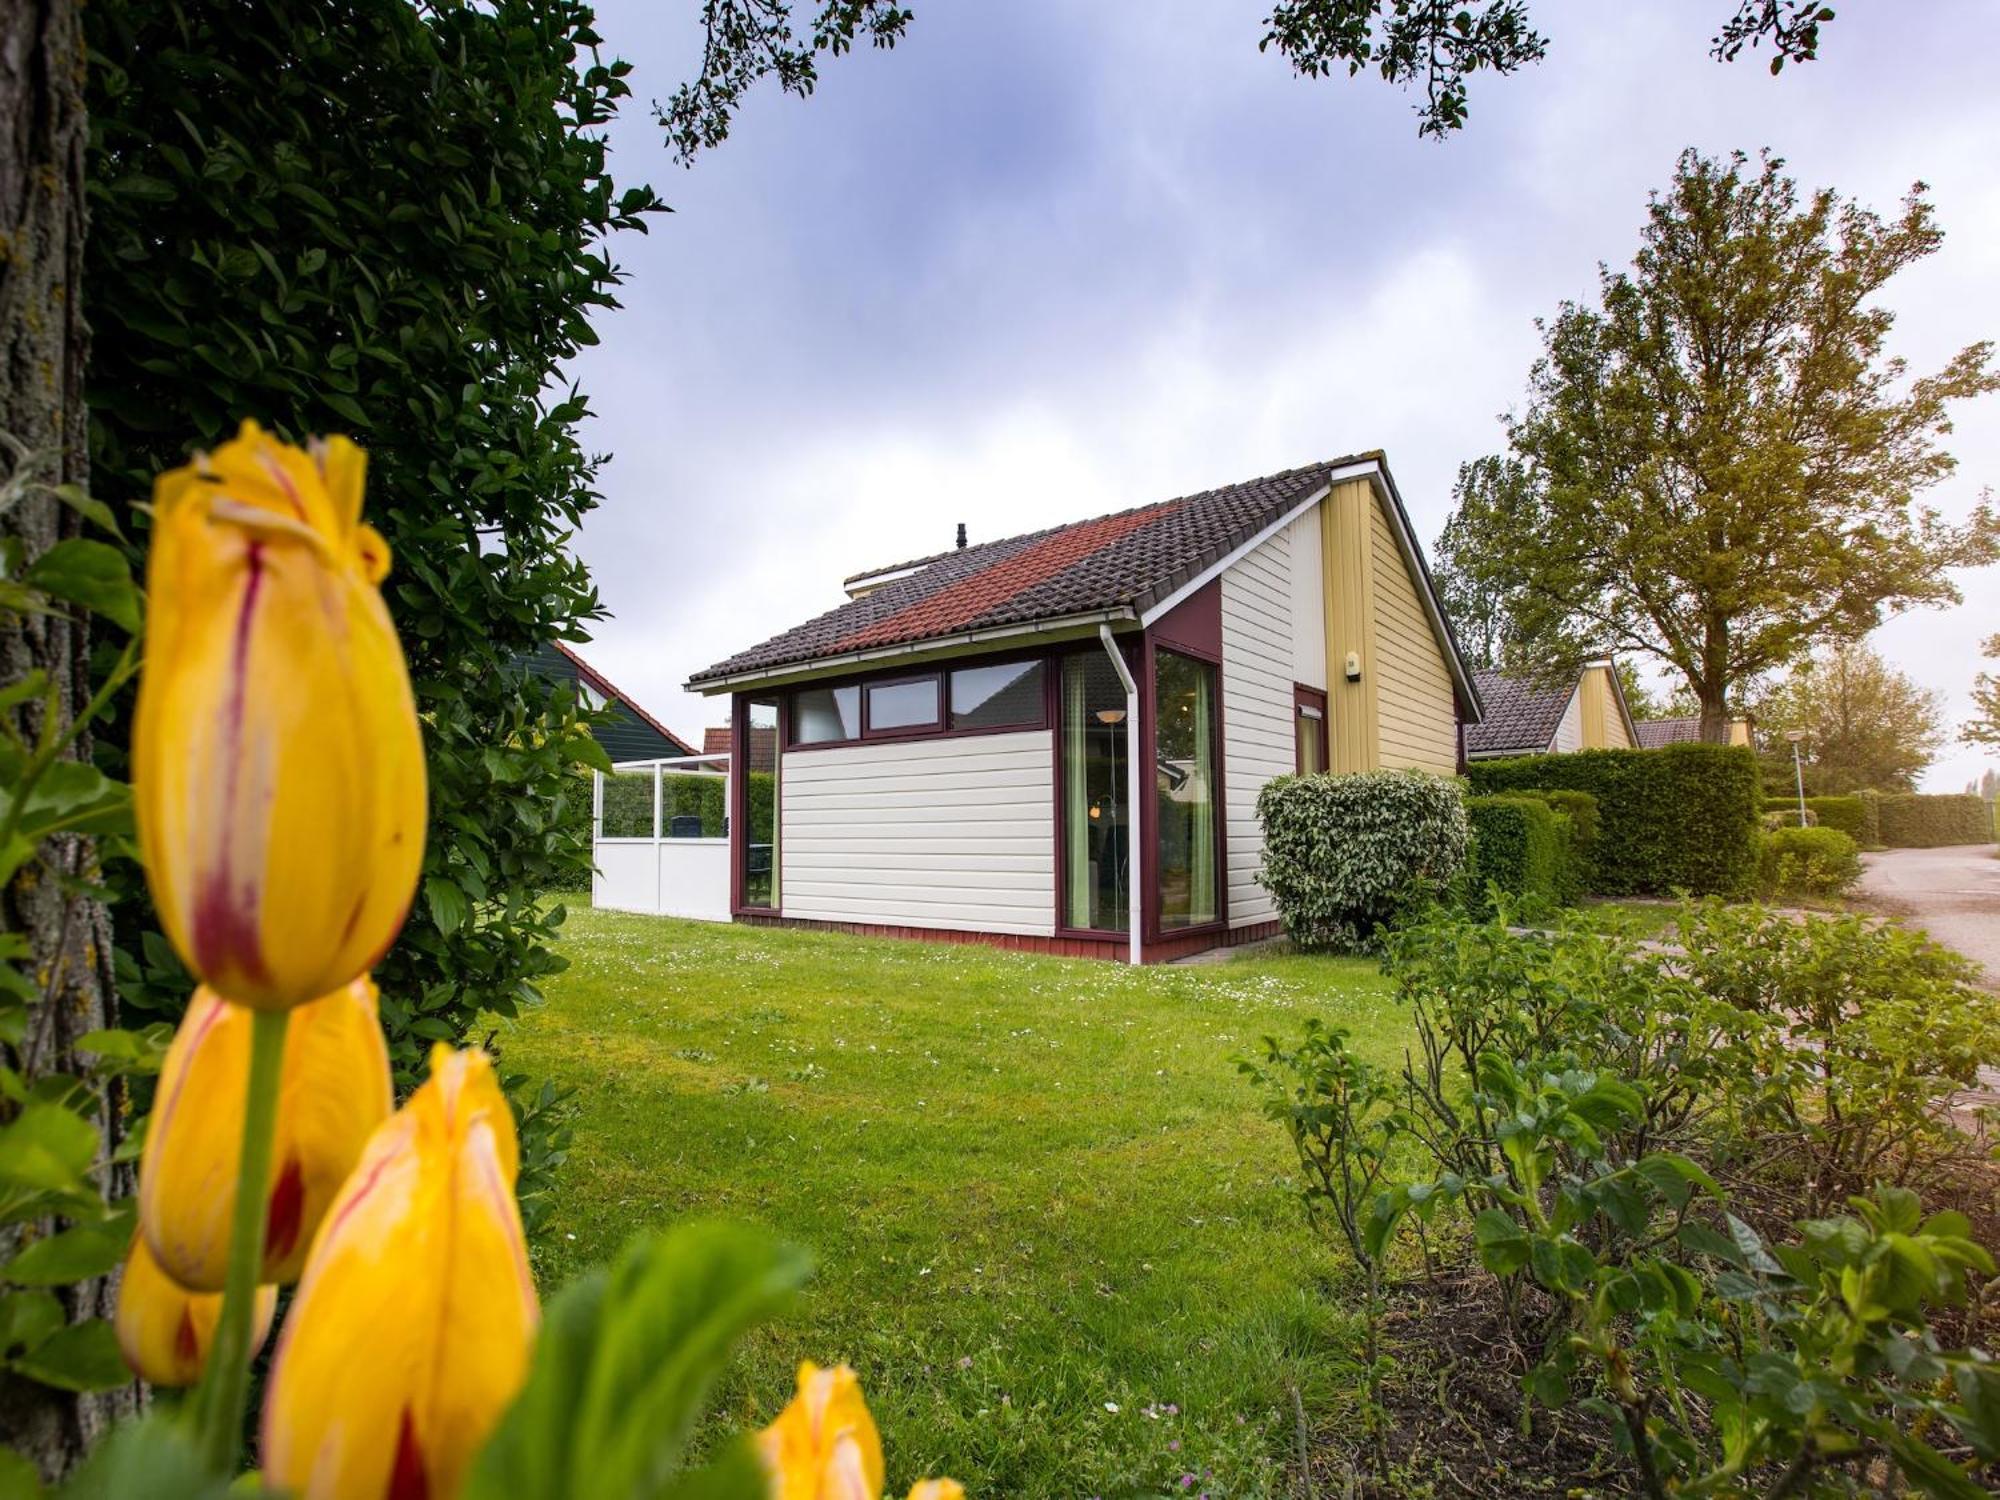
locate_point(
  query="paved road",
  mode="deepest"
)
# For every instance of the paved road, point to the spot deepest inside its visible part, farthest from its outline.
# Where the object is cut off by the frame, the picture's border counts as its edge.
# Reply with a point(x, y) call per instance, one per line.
point(1952, 893)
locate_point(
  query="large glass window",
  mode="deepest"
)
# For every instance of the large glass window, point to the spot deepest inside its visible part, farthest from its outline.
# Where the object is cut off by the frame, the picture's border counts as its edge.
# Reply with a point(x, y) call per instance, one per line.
point(1096, 842)
point(909, 704)
point(997, 696)
point(1184, 763)
point(823, 715)
point(760, 806)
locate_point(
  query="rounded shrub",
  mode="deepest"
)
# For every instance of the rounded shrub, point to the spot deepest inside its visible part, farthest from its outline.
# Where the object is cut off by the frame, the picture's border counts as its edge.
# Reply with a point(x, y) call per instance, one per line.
point(1807, 862)
point(1347, 855)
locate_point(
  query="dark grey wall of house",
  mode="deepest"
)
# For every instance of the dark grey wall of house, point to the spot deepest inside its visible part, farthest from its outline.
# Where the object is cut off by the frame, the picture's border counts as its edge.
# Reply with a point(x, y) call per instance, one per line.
point(627, 736)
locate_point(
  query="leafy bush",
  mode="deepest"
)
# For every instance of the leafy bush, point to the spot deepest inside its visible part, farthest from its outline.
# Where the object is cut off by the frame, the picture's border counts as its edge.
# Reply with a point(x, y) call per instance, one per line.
point(1582, 1109)
point(394, 221)
point(1853, 816)
point(1585, 822)
point(1682, 818)
point(1806, 862)
point(1916, 820)
point(1521, 846)
point(1346, 855)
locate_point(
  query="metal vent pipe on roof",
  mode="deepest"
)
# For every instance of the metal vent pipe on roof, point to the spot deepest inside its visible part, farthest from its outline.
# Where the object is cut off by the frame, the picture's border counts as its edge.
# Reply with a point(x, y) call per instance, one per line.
point(961, 533)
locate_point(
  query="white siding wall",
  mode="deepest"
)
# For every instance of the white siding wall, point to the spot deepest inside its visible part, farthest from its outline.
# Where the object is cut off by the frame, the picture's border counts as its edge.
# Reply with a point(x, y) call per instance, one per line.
point(1308, 602)
point(934, 833)
point(1569, 733)
point(1259, 657)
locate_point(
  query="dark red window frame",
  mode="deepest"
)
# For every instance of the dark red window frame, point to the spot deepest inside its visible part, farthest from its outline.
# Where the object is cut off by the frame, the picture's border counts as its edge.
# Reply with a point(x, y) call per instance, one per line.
point(941, 727)
point(1303, 698)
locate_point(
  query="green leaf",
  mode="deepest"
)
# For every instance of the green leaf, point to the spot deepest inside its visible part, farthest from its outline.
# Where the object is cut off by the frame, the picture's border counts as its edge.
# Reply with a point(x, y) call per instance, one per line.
point(46, 1148)
point(1931, 1472)
point(72, 1255)
point(82, 1357)
point(73, 796)
point(155, 1457)
point(1503, 1244)
point(92, 509)
point(26, 1318)
point(90, 573)
point(624, 1362)
point(19, 1479)
point(448, 905)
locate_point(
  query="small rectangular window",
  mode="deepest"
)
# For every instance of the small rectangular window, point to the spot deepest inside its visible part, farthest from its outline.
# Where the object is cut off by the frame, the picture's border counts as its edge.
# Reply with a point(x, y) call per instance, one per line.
point(997, 697)
point(909, 704)
point(1311, 747)
point(824, 716)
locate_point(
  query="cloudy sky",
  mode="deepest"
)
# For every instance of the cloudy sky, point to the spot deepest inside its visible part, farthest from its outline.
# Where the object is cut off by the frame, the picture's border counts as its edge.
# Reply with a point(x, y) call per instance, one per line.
point(1049, 259)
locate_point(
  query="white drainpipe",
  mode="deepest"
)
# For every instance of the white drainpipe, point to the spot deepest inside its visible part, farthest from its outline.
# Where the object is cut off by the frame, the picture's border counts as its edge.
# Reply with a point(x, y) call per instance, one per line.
point(1135, 863)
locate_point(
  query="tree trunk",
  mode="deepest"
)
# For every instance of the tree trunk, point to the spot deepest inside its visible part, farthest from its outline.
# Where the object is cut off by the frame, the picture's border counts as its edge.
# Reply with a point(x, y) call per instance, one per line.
point(43, 432)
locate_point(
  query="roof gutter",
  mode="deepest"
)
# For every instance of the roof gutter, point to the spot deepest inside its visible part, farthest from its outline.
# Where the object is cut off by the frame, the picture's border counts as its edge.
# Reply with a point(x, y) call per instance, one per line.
point(820, 666)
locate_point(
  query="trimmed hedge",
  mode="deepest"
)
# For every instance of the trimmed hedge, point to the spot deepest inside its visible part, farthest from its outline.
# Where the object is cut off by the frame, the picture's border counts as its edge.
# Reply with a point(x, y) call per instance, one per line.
point(1679, 818)
point(1914, 820)
point(1584, 823)
point(1807, 862)
point(628, 804)
point(1853, 816)
point(1521, 844)
point(1346, 855)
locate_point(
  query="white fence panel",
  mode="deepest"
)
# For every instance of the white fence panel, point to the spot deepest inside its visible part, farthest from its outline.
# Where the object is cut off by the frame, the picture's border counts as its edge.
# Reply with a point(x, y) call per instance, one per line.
point(662, 875)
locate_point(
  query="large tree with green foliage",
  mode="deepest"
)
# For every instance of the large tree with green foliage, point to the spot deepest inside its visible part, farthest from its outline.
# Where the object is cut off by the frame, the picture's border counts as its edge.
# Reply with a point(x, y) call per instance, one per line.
point(1866, 724)
point(1718, 464)
point(1983, 728)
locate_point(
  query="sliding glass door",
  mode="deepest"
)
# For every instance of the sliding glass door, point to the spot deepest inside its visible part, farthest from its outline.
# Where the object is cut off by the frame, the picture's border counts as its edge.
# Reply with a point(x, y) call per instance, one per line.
point(1186, 803)
point(1096, 839)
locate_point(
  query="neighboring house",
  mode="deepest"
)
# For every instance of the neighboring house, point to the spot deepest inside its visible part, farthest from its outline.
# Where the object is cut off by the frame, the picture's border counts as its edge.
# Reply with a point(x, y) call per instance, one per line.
point(1586, 711)
point(716, 740)
point(632, 733)
point(1654, 733)
point(961, 747)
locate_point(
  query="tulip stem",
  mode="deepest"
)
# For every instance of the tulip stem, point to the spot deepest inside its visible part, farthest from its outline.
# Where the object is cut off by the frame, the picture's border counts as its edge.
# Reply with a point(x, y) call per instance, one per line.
point(219, 1407)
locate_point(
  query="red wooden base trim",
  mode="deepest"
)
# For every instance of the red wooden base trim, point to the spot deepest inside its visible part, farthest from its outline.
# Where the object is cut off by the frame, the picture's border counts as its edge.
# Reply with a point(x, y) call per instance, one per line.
point(1115, 949)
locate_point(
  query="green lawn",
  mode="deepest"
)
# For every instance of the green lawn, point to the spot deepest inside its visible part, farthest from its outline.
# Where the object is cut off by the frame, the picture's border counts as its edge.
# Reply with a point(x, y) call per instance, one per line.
point(1053, 1231)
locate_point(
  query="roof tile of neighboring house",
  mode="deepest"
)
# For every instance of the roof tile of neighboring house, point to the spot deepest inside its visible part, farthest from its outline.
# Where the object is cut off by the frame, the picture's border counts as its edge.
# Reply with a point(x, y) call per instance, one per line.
point(1129, 560)
point(1653, 733)
point(1521, 717)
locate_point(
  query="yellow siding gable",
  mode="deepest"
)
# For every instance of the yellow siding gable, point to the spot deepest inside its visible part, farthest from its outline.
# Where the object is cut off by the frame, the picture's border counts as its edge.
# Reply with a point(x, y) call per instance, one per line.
point(1402, 711)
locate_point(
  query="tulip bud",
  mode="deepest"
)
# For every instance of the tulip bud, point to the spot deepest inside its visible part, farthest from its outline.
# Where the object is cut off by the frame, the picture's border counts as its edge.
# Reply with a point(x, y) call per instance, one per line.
point(823, 1445)
point(937, 1489)
point(164, 1330)
point(413, 1326)
point(278, 775)
point(333, 1091)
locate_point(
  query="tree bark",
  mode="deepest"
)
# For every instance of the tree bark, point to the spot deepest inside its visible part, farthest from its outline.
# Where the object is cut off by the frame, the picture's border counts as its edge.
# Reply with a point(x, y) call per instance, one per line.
point(43, 436)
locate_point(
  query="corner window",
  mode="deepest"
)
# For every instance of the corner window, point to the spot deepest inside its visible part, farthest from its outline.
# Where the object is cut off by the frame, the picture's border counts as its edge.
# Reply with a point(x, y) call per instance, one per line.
point(827, 715)
point(909, 704)
point(1096, 861)
point(997, 697)
point(1184, 775)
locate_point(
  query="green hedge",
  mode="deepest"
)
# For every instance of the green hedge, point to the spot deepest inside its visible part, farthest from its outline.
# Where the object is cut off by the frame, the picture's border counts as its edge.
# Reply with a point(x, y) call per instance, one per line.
point(1679, 818)
point(1585, 821)
point(1807, 862)
point(1914, 820)
point(628, 804)
point(1853, 816)
point(1522, 845)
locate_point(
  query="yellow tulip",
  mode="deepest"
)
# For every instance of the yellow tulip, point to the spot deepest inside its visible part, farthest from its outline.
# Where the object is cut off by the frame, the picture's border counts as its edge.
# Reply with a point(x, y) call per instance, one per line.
point(278, 775)
point(413, 1326)
point(333, 1091)
point(937, 1489)
point(164, 1330)
point(823, 1445)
